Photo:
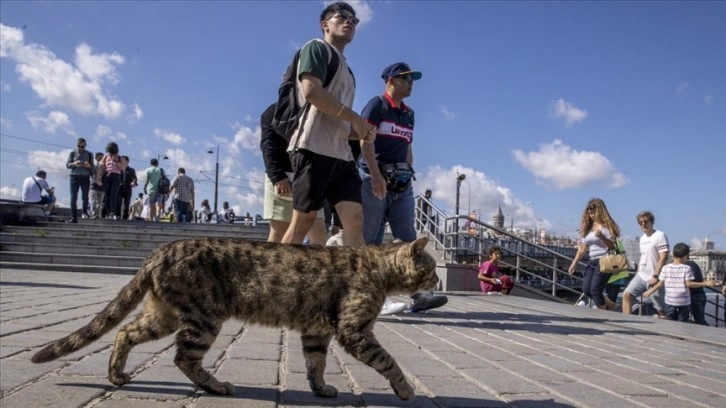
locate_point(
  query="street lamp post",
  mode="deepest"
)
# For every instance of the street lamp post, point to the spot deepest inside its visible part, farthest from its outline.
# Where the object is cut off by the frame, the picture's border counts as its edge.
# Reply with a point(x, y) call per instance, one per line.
point(459, 179)
point(216, 177)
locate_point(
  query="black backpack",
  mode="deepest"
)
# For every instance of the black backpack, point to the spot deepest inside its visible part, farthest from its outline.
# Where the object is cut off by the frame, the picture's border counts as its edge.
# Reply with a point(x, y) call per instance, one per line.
point(288, 114)
point(164, 184)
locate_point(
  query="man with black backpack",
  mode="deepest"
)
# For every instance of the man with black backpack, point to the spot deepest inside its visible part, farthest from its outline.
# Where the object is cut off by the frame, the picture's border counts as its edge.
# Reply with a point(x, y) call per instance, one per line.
point(388, 173)
point(322, 161)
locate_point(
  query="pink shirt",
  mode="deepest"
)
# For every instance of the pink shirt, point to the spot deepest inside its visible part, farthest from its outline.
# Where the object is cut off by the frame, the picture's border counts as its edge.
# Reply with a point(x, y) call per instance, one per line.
point(490, 270)
point(112, 164)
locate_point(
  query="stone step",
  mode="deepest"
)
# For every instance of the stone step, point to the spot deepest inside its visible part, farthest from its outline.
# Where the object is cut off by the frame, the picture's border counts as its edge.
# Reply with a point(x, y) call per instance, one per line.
point(71, 259)
point(68, 268)
point(125, 248)
point(104, 237)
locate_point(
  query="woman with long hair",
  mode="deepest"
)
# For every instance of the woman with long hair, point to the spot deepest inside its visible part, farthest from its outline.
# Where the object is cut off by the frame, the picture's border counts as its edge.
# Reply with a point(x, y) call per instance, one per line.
point(110, 168)
point(599, 232)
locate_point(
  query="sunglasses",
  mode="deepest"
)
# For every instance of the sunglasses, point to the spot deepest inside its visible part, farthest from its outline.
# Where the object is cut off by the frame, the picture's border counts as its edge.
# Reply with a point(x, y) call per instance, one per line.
point(590, 208)
point(345, 16)
point(405, 77)
point(643, 222)
point(81, 146)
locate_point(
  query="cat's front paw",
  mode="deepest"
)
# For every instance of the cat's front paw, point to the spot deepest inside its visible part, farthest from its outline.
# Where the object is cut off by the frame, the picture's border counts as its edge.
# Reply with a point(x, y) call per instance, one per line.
point(326, 391)
point(119, 378)
point(405, 392)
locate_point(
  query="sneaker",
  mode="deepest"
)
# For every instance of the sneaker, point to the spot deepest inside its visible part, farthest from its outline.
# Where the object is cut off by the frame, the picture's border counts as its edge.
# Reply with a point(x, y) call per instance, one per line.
point(582, 303)
point(426, 301)
point(72, 221)
point(391, 307)
point(335, 240)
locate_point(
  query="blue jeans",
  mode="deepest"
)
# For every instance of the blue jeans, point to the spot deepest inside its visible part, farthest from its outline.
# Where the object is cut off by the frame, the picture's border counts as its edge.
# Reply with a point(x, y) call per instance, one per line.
point(181, 211)
point(84, 183)
point(593, 282)
point(679, 313)
point(396, 208)
point(698, 308)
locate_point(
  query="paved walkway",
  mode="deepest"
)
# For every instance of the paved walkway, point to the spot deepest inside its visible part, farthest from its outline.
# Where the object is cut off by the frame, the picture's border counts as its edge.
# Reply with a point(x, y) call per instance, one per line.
point(477, 351)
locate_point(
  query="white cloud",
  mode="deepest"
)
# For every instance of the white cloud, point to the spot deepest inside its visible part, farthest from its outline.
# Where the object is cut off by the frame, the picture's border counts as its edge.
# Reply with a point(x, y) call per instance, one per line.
point(7, 87)
point(681, 88)
point(9, 193)
point(54, 163)
point(560, 167)
point(80, 88)
point(246, 138)
point(55, 120)
point(6, 123)
point(171, 137)
point(707, 100)
point(560, 108)
point(448, 115)
point(486, 195)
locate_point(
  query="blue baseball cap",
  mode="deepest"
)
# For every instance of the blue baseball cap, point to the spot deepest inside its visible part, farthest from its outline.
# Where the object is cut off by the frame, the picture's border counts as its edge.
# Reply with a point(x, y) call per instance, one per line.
point(399, 68)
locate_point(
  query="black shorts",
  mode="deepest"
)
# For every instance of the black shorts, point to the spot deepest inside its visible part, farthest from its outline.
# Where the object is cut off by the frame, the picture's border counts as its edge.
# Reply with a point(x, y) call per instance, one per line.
point(317, 178)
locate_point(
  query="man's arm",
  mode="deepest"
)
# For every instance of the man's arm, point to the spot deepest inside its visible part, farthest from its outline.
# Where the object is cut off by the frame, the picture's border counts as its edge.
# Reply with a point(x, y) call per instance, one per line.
point(662, 259)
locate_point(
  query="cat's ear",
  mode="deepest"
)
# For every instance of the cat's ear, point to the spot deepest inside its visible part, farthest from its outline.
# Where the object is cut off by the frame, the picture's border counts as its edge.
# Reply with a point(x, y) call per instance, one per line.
point(419, 245)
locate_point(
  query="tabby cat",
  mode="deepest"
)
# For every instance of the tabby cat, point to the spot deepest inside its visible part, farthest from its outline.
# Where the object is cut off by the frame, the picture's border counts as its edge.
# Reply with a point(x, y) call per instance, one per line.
point(195, 285)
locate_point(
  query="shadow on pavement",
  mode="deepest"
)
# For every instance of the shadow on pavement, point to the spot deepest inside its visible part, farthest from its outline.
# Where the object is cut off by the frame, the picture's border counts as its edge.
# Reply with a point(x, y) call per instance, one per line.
point(45, 285)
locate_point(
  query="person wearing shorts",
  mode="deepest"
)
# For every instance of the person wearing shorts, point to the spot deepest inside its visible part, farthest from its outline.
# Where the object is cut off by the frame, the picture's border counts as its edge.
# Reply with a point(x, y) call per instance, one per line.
point(278, 188)
point(321, 156)
point(653, 256)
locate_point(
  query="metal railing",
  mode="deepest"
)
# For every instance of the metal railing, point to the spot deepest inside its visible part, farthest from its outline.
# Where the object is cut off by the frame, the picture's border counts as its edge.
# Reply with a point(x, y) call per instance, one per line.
point(538, 266)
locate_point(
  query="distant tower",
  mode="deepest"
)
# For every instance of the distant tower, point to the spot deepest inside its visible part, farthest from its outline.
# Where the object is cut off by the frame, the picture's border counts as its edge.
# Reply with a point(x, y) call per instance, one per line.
point(498, 218)
point(708, 245)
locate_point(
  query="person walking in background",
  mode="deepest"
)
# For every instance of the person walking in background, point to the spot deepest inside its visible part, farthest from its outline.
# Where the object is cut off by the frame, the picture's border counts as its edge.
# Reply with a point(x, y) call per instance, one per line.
point(698, 295)
point(676, 279)
point(278, 189)
point(599, 232)
point(205, 212)
point(97, 190)
point(490, 278)
point(182, 188)
point(386, 169)
point(33, 188)
point(653, 256)
point(320, 154)
point(128, 182)
point(80, 163)
point(151, 188)
point(110, 164)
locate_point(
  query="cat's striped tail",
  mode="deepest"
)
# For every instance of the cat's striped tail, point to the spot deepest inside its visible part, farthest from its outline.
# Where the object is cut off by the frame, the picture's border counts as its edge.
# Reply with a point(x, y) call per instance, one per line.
point(125, 302)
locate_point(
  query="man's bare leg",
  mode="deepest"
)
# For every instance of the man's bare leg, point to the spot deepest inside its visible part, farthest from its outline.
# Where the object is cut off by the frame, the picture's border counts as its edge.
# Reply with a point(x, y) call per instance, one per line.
point(299, 227)
point(351, 216)
point(277, 230)
point(318, 234)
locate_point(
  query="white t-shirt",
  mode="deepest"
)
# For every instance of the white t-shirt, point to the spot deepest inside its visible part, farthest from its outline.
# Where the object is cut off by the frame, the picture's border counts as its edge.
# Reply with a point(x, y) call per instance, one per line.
point(650, 249)
point(32, 191)
point(675, 277)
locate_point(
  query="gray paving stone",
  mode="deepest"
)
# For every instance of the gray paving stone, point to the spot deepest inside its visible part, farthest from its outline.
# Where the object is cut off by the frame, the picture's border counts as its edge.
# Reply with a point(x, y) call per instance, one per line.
point(252, 397)
point(249, 372)
point(56, 392)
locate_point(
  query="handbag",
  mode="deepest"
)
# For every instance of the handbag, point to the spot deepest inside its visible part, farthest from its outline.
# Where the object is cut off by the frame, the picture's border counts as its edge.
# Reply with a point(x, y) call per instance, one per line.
point(614, 261)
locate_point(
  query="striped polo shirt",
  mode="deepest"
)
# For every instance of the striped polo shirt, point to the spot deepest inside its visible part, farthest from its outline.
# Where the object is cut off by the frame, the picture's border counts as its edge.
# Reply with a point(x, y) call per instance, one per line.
point(394, 131)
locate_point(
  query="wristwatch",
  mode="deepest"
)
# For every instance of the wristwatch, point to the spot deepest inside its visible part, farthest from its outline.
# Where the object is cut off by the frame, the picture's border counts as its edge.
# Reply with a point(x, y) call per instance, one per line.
point(656, 277)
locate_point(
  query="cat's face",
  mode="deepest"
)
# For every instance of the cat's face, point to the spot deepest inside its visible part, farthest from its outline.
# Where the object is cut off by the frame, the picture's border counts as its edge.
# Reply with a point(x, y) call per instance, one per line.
point(418, 267)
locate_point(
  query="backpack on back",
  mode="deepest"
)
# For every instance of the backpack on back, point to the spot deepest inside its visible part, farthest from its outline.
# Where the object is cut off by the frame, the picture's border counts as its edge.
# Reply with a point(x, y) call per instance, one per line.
point(164, 183)
point(288, 113)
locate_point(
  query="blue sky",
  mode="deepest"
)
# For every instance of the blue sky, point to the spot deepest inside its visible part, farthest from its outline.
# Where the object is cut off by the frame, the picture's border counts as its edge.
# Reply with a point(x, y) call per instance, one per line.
point(542, 105)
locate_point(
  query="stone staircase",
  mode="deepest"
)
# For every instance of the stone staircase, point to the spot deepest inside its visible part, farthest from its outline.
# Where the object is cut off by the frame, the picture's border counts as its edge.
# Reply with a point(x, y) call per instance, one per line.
point(102, 246)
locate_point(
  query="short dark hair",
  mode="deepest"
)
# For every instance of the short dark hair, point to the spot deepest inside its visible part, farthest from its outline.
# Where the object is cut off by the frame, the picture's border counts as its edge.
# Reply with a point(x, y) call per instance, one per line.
point(334, 8)
point(154, 162)
point(99, 154)
point(80, 140)
point(181, 170)
point(40, 173)
point(112, 148)
point(141, 195)
point(681, 250)
point(126, 158)
point(492, 250)
point(647, 215)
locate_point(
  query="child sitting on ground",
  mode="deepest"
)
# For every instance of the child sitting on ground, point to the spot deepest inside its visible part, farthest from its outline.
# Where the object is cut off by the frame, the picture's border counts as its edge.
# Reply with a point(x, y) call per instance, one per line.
point(677, 277)
point(490, 279)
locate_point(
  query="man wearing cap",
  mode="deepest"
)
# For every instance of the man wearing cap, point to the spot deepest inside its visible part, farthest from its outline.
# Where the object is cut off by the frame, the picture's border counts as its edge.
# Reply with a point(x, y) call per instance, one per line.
point(387, 172)
point(321, 158)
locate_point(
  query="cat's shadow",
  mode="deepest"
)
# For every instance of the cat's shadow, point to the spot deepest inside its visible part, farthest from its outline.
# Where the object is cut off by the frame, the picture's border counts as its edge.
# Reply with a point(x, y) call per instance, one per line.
point(306, 398)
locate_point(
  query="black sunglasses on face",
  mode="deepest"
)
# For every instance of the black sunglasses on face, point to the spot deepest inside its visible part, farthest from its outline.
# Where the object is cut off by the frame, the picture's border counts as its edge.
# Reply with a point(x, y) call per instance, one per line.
point(405, 77)
point(81, 146)
point(590, 208)
point(344, 16)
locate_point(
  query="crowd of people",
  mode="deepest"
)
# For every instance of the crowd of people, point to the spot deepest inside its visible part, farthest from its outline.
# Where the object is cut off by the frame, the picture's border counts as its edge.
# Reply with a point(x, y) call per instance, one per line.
point(360, 167)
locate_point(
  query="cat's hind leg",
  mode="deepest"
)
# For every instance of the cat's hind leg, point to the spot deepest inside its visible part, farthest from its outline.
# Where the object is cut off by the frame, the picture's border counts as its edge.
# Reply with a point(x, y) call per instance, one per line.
point(315, 350)
point(155, 321)
point(193, 341)
point(359, 341)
